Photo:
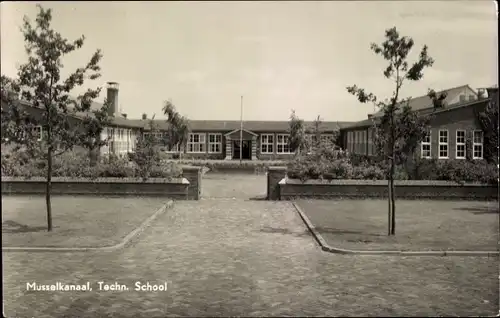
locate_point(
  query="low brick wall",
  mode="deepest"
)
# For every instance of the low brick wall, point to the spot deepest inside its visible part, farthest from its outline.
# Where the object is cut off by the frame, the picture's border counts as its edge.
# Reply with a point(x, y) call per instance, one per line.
point(274, 176)
point(194, 175)
point(412, 189)
point(174, 188)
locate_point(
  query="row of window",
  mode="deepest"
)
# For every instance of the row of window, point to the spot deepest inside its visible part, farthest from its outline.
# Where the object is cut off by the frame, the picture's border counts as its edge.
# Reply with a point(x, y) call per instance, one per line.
point(267, 144)
point(361, 142)
point(460, 145)
point(357, 142)
point(118, 133)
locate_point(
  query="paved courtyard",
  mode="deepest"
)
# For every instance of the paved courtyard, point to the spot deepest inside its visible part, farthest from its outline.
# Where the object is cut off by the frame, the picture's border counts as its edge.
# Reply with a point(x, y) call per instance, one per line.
point(246, 258)
point(234, 185)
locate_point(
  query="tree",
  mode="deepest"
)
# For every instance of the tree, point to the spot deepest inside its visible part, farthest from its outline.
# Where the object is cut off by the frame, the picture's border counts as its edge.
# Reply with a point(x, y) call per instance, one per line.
point(489, 123)
point(178, 127)
point(39, 83)
point(297, 138)
point(399, 129)
point(317, 132)
point(93, 124)
point(147, 151)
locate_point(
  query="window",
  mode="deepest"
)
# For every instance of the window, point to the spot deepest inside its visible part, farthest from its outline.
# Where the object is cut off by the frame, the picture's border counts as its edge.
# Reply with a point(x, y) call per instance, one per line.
point(282, 144)
point(196, 143)
point(363, 143)
point(425, 146)
point(37, 132)
point(370, 142)
point(266, 143)
point(443, 144)
point(110, 133)
point(460, 146)
point(350, 141)
point(357, 138)
point(477, 145)
point(215, 143)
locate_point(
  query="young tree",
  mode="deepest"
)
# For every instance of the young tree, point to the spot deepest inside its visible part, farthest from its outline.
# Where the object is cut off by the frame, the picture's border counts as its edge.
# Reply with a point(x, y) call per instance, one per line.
point(147, 151)
point(178, 127)
point(297, 139)
point(399, 129)
point(40, 84)
point(317, 132)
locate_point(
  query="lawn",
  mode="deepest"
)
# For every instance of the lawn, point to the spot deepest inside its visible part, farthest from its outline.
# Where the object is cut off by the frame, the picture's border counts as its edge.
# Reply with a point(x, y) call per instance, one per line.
point(420, 225)
point(78, 221)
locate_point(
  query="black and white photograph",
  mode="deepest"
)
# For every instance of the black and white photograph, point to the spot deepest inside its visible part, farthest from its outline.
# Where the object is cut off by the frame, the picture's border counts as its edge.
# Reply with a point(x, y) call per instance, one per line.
point(250, 159)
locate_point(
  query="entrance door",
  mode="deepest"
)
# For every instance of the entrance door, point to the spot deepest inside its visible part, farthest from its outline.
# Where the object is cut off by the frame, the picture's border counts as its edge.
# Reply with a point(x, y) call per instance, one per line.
point(245, 149)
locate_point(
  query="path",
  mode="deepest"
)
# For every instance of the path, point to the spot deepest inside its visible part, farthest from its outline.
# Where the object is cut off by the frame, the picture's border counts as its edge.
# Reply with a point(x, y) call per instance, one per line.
point(246, 258)
point(234, 185)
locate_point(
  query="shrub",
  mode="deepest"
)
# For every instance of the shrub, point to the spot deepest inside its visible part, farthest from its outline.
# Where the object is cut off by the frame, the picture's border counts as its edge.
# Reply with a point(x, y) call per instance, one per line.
point(368, 172)
point(467, 171)
point(340, 169)
point(77, 165)
point(116, 168)
point(167, 170)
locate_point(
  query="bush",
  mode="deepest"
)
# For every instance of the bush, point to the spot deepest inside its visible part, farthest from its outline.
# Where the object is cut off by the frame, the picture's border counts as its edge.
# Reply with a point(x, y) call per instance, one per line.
point(116, 168)
point(325, 164)
point(77, 165)
point(467, 171)
point(167, 170)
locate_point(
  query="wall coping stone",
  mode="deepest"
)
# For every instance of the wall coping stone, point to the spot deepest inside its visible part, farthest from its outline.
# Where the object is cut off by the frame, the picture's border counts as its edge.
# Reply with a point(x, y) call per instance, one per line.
point(98, 180)
point(416, 183)
point(277, 168)
point(192, 168)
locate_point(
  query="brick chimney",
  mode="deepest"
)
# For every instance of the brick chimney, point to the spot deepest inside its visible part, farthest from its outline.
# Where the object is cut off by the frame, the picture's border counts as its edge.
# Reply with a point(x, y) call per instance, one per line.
point(370, 116)
point(492, 92)
point(112, 98)
point(144, 116)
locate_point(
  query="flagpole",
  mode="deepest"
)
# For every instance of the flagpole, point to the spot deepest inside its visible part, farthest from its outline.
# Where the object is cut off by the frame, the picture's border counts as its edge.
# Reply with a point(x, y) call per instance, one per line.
point(241, 129)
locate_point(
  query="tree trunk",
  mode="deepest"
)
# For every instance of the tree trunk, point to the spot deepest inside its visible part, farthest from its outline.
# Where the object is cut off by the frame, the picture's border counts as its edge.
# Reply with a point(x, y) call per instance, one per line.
point(49, 187)
point(389, 209)
point(391, 174)
point(393, 203)
point(93, 156)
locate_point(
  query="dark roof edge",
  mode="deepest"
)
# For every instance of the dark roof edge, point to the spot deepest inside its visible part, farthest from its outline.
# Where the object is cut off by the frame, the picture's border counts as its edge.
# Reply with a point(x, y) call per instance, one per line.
point(369, 122)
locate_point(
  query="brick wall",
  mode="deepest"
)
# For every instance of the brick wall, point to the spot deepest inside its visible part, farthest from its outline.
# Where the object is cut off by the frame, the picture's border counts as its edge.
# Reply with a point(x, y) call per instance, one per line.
point(193, 175)
point(453, 120)
point(378, 189)
point(274, 176)
point(176, 189)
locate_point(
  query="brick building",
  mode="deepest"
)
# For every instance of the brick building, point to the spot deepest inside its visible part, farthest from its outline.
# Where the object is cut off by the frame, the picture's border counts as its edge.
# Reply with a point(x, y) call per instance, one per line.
point(208, 139)
point(451, 126)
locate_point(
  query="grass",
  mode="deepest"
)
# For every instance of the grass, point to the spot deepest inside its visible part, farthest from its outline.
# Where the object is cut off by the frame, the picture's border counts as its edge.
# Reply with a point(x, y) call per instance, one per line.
point(420, 225)
point(78, 221)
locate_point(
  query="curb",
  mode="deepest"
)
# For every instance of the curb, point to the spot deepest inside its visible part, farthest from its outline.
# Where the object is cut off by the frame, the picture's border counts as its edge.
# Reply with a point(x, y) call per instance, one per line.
point(327, 248)
point(125, 242)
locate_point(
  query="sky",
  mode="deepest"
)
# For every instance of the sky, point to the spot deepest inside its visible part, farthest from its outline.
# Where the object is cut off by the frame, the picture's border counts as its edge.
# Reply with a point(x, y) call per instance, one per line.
point(280, 56)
